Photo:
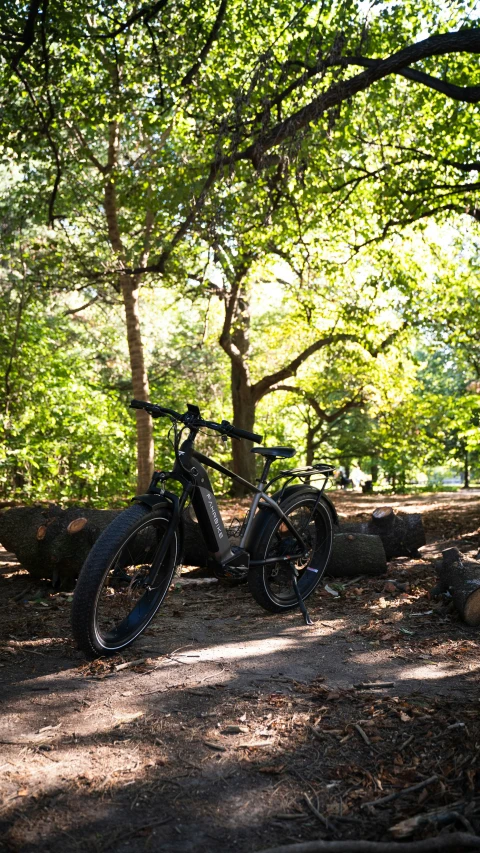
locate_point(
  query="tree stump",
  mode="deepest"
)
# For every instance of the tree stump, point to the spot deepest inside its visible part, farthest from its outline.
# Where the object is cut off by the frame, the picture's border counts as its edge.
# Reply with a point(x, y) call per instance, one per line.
point(461, 578)
point(356, 554)
point(402, 533)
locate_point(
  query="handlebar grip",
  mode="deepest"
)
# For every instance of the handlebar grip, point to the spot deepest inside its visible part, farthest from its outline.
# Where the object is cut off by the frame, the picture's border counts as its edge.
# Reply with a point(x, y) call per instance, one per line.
point(242, 433)
point(154, 410)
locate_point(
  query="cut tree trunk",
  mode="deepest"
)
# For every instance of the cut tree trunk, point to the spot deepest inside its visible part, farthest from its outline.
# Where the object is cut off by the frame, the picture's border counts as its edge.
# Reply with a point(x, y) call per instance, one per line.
point(53, 543)
point(461, 578)
point(352, 553)
point(356, 554)
point(402, 533)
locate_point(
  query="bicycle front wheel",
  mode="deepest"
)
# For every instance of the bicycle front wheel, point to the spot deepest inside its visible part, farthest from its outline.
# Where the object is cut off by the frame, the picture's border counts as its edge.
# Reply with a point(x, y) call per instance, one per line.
point(271, 583)
point(114, 599)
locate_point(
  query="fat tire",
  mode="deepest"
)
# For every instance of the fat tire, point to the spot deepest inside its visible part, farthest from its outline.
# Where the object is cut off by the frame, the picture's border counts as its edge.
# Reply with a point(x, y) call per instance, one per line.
point(256, 575)
point(92, 575)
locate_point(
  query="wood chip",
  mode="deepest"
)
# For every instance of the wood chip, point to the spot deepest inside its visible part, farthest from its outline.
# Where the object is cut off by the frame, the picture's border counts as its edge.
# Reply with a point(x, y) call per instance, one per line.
point(213, 744)
point(121, 666)
point(235, 730)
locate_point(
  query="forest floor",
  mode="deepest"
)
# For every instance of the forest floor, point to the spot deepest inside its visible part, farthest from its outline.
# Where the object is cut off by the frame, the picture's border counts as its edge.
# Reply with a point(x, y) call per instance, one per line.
point(226, 729)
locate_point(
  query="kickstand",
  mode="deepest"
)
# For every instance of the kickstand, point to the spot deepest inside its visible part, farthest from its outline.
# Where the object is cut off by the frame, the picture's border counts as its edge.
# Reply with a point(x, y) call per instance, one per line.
point(301, 603)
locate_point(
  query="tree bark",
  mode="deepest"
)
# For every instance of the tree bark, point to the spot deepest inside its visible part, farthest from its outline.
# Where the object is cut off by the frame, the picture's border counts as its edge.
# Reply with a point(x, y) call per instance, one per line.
point(44, 544)
point(461, 578)
point(356, 554)
point(310, 445)
point(129, 286)
point(140, 386)
point(466, 472)
point(402, 533)
point(243, 406)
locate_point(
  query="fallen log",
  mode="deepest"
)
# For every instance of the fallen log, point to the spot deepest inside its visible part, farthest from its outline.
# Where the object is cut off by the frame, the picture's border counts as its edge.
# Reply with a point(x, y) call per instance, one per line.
point(461, 578)
point(356, 554)
point(402, 533)
point(53, 543)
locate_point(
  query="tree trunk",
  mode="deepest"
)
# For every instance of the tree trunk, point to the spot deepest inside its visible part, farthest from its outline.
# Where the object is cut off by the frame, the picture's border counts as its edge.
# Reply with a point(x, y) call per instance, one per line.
point(310, 448)
point(51, 543)
point(243, 417)
point(140, 385)
point(461, 578)
point(129, 286)
point(402, 533)
point(466, 473)
point(356, 554)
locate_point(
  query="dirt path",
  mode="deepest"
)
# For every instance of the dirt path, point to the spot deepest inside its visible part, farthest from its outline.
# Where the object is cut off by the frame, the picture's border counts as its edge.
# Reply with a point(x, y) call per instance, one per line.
point(230, 719)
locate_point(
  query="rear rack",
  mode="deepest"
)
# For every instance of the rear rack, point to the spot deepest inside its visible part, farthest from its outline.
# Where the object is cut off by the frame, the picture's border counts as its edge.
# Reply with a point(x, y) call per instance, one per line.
point(310, 472)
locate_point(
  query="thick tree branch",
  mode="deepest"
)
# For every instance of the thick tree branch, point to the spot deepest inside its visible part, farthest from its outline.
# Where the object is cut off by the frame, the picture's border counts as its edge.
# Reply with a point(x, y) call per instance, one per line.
point(265, 385)
point(189, 76)
point(103, 169)
point(231, 303)
point(468, 94)
point(324, 417)
point(464, 41)
point(145, 14)
point(28, 36)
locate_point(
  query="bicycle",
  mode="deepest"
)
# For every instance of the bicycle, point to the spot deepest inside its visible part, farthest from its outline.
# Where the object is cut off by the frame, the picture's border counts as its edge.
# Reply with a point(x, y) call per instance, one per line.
point(284, 548)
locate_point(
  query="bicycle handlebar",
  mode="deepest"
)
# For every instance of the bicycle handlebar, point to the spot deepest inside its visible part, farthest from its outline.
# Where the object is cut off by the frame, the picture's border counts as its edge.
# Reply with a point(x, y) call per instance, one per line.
point(236, 432)
point(225, 428)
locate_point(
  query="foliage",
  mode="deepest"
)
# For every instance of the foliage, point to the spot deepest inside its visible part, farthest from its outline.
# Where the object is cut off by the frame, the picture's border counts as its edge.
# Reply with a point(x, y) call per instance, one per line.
point(226, 158)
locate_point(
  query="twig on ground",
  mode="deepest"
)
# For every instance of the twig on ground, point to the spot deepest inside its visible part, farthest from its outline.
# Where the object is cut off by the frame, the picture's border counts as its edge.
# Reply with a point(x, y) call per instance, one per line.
point(361, 733)
point(374, 685)
point(316, 732)
point(315, 811)
point(410, 790)
point(19, 595)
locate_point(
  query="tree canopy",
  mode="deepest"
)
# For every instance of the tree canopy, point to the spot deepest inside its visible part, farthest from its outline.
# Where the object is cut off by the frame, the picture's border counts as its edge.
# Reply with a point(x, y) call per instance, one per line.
point(276, 204)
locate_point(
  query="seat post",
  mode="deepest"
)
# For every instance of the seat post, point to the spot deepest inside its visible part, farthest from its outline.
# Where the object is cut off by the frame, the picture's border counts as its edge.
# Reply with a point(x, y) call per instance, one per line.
point(266, 469)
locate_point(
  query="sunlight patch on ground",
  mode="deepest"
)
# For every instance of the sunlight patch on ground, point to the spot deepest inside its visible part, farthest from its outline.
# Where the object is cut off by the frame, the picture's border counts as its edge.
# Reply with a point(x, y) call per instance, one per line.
point(432, 671)
point(290, 638)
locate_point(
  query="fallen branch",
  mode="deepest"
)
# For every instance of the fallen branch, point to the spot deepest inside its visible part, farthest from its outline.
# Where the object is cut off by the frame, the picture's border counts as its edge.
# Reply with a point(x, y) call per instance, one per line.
point(441, 844)
point(437, 817)
point(396, 794)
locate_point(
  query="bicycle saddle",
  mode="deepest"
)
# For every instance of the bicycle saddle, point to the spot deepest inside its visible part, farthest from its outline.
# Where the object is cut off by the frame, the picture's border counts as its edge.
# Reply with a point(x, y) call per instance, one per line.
point(284, 452)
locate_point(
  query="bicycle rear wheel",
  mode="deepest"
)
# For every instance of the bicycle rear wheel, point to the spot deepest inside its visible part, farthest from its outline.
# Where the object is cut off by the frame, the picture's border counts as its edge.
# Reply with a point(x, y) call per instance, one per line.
point(271, 583)
point(114, 600)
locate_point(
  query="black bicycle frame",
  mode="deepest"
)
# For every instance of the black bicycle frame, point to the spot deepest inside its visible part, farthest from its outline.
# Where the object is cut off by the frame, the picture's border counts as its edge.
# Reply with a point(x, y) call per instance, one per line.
point(189, 471)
